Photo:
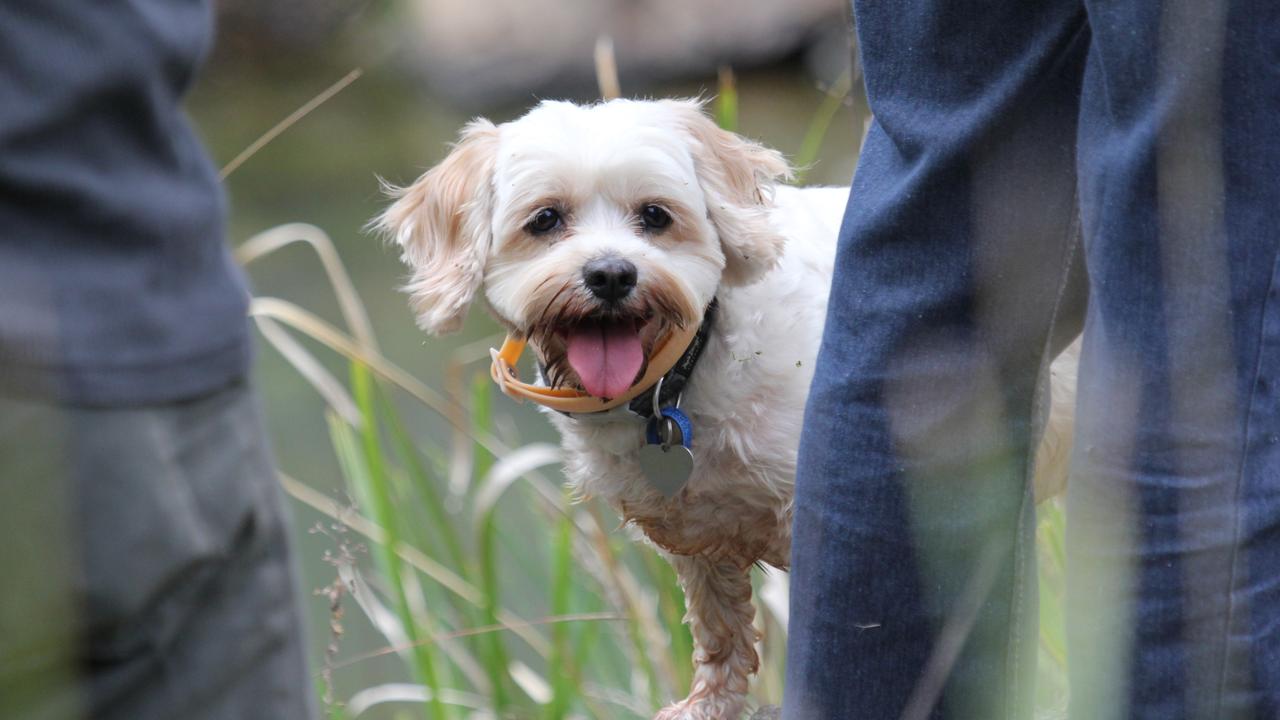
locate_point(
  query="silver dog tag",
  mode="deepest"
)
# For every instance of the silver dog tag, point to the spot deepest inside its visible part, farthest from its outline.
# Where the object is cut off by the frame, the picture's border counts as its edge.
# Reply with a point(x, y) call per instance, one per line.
point(667, 468)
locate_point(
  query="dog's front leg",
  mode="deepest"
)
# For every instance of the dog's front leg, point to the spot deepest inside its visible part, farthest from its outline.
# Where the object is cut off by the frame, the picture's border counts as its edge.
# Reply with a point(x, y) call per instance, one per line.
point(718, 596)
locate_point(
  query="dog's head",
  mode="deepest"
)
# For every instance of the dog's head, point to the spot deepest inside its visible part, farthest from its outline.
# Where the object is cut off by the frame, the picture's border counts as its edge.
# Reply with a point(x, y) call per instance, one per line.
point(593, 230)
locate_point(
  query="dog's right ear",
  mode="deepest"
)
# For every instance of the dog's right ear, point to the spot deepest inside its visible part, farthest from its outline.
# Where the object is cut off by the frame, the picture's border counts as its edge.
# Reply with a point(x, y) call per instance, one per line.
point(442, 224)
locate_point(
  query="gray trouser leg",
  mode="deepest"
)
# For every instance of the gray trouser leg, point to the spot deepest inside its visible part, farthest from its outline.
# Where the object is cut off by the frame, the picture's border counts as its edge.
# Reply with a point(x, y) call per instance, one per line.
point(144, 565)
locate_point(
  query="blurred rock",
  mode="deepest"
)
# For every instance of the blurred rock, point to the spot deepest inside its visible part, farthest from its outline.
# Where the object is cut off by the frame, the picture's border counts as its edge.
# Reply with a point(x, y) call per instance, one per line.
point(487, 51)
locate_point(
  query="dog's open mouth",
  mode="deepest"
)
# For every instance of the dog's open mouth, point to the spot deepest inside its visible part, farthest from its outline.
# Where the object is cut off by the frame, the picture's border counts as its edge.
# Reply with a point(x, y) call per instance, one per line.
point(604, 349)
point(606, 354)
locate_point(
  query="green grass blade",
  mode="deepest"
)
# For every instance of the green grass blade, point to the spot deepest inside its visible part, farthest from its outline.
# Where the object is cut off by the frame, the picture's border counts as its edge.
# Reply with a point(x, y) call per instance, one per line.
point(727, 100)
point(1052, 571)
point(562, 685)
point(443, 525)
point(811, 145)
point(481, 419)
point(442, 522)
point(377, 492)
point(495, 656)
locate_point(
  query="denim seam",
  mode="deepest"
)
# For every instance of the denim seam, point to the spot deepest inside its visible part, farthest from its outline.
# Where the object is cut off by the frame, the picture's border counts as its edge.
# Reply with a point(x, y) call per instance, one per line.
point(1268, 304)
point(1014, 657)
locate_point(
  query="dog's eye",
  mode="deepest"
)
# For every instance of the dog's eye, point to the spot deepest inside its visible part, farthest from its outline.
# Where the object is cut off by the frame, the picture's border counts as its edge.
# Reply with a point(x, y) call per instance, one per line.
point(545, 221)
point(654, 217)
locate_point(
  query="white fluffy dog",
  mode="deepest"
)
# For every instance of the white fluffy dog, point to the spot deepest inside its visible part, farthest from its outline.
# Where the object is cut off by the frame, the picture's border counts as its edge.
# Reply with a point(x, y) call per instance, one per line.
point(595, 232)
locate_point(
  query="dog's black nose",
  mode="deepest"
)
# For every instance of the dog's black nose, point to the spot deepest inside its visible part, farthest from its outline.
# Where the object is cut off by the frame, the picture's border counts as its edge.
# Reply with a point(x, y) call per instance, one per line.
point(609, 278)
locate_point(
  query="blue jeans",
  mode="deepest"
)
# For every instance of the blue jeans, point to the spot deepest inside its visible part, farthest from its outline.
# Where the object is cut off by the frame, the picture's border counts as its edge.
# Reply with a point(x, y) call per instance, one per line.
point(1015, 144)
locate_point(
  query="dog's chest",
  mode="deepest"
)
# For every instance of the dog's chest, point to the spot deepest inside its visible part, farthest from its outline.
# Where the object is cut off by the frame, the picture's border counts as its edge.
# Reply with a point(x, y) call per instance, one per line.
point(732, 507)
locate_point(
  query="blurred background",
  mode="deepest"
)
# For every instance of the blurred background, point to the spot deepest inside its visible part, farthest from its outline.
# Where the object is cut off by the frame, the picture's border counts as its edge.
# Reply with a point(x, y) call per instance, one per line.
point(483, 546)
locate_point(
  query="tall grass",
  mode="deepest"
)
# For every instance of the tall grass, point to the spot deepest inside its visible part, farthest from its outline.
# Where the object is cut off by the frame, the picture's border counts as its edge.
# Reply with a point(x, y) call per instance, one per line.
point(441, 516)
point(436, 592)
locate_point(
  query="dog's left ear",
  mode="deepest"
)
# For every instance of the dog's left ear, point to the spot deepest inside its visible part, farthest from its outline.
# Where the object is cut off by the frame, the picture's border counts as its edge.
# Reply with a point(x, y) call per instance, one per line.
point(441, 223)
point(738, 177)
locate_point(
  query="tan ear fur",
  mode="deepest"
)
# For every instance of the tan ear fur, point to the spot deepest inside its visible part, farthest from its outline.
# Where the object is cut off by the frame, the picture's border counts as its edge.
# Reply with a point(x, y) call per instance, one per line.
point(442, 224)
point(738, 176)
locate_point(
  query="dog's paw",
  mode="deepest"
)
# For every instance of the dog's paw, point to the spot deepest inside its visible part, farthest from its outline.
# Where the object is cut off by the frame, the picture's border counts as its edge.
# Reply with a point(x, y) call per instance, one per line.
point(703, 708)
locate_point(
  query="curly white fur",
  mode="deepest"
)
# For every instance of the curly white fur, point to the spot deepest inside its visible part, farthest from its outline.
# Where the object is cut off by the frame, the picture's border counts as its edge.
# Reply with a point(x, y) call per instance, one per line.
point(765, 251)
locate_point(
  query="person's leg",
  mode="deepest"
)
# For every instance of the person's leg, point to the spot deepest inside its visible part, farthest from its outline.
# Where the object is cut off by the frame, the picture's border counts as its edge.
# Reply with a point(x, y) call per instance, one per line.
point(913, 587)
point(173, 582)
point(1174, 499)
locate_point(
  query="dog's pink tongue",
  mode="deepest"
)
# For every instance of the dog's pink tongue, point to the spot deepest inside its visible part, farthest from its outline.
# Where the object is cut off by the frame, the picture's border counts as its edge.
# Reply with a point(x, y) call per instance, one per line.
point(606, 357)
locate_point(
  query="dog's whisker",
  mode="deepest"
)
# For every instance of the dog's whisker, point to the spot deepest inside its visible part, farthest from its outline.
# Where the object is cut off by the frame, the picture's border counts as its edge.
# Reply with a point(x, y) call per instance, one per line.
point(542, 284)
point(552, 301)
point(560, 314)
